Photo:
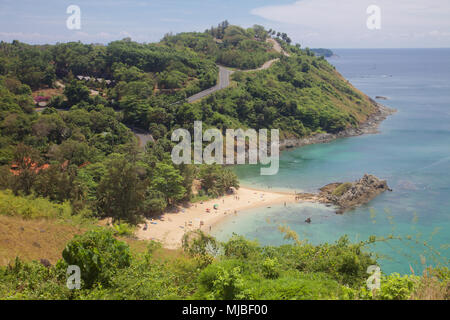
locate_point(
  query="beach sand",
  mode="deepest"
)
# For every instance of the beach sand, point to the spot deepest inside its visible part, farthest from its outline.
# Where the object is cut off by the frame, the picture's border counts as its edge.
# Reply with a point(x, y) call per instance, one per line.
point(170, 227)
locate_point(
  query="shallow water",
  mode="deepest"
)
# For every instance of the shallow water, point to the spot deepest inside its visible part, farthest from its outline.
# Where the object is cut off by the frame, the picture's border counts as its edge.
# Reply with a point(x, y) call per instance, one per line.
point(412, 153)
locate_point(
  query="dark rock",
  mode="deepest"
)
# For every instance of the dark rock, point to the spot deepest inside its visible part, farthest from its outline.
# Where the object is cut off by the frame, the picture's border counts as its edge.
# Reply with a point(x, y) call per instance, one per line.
point(46, 263)
point(350, 195)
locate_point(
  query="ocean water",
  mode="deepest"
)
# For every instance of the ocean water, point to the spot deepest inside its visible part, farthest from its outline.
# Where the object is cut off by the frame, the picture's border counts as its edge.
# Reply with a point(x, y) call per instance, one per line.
point(412, 152)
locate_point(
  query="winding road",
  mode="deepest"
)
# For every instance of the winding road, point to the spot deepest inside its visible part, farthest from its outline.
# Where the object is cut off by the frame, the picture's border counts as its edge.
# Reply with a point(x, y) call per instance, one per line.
point(223, 82)
point(225, 74)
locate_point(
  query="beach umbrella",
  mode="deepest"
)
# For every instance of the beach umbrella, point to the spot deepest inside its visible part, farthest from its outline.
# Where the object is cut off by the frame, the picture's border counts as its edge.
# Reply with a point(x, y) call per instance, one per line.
point(216, 206)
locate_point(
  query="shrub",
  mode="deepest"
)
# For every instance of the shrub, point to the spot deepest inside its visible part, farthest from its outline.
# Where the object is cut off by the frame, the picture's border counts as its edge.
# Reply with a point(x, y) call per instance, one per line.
point(299, 287)
point(271, 268)
point(396, 287)
point(123, 229)
point(98, 254)
point(223, 281)
point(32, 280)
point(239, 247)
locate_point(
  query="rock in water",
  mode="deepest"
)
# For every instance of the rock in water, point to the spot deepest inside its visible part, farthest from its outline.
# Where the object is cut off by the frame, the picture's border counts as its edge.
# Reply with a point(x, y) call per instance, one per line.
point(350, 195)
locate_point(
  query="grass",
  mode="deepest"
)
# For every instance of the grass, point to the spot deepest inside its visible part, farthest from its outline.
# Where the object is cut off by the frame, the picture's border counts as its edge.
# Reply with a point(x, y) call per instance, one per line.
point(33, 239)
point(35, 228)
point(30, 207)
point(341, 189)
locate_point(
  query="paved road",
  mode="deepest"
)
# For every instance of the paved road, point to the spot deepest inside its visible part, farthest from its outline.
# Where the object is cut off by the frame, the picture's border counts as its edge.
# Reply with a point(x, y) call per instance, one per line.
point(277, 47)
point(224, 81)
point(142, 135)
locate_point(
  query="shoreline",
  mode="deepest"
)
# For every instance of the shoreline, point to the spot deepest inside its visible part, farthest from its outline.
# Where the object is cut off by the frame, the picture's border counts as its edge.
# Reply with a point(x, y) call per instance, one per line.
point(170, 227)
point(370, 126)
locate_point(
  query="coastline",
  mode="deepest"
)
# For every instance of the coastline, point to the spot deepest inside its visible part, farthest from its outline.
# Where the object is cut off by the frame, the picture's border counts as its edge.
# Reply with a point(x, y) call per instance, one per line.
point(370, 126)
point(170, 227)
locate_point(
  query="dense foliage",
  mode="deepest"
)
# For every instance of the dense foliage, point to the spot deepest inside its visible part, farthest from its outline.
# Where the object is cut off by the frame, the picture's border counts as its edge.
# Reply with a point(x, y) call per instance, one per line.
point(231, 46)
point(236, 269)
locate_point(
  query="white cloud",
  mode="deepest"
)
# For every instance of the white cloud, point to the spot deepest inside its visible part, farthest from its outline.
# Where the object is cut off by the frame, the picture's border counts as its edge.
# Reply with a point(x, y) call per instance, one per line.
point(343, 22)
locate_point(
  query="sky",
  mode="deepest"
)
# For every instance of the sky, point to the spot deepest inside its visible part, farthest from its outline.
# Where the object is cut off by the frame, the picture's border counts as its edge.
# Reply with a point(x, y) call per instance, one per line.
point(312, 23)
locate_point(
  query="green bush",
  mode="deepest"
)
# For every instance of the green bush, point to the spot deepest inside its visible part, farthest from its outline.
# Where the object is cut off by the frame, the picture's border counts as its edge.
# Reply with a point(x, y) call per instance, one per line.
point(396, 287)
point(98, 254)
point(123, 229)
point(239, 247)
point(32, 280)
point(299, 287)
point(271, 268)
point(223, 281)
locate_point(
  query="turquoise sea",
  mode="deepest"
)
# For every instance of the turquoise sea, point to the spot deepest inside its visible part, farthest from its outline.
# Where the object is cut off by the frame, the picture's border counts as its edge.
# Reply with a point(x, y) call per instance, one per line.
point(412, 152)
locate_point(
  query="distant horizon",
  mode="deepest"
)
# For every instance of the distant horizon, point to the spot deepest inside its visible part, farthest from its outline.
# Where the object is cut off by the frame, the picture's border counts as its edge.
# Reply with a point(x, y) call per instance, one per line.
point(303, 47)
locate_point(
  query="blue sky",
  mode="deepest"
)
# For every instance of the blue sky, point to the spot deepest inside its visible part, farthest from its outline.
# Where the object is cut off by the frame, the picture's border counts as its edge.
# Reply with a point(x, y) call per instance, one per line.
point(313, 23)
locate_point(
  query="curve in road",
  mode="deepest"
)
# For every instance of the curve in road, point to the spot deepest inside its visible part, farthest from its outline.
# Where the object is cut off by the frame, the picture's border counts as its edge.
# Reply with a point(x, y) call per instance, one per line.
point(223, 82)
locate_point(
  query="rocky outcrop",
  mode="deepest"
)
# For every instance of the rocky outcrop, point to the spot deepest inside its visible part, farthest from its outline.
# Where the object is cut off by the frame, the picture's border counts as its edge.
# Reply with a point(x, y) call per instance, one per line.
point(349, 195)
point(370, 126)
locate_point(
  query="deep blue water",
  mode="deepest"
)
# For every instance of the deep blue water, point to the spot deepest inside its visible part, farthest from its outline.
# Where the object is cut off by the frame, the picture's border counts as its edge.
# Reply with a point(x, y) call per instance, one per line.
point(412, 153)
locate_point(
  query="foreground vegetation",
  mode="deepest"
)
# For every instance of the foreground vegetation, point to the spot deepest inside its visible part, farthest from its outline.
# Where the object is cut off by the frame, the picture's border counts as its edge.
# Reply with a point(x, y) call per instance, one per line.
point(236, 269)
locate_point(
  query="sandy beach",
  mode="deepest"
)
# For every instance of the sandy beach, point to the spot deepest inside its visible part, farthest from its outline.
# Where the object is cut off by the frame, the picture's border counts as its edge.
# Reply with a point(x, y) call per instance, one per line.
point(170, 227)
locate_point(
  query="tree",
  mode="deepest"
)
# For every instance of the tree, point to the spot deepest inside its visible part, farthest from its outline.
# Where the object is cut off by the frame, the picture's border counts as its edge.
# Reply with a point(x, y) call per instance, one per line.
point(76, 92)
point(27, 162)
point(120, 193)
point(217, 180)
point(167, 180)
point(260, 32)
point(228, 180)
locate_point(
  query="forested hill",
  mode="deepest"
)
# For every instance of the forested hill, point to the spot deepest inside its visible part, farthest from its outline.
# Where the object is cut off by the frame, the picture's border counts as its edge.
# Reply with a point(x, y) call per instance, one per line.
point(301, 94)
point(94, 93)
